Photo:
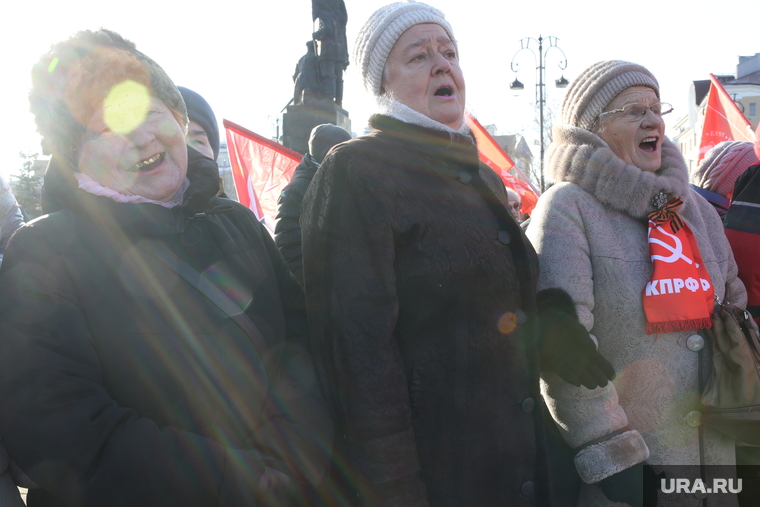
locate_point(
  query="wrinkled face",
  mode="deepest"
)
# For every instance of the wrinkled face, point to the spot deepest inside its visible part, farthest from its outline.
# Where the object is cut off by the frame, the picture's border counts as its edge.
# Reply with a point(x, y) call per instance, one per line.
point(514, 208)
point(149, 160)
point(198, 139)
point(423, 72)
point(638, 142)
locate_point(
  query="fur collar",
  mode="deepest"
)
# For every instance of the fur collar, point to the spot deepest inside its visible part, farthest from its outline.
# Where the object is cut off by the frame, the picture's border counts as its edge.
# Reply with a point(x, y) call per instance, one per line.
point(583, 158)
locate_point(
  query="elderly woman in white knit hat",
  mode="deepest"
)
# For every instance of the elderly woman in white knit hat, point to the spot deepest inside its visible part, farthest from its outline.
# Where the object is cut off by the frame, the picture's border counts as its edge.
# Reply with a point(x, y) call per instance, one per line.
point(421, 292)
point(624, 235)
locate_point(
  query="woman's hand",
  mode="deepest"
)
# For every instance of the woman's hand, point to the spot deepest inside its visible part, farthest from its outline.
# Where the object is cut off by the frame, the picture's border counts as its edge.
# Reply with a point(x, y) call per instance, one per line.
point(567, 349)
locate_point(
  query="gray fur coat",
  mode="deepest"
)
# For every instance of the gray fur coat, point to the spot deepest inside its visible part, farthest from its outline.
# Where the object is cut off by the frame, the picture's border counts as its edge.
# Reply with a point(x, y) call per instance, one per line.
point(591, 236)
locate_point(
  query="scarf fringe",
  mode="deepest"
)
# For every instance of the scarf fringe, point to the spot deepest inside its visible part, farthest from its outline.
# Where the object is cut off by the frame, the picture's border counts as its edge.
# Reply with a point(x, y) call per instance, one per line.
point(678, 325)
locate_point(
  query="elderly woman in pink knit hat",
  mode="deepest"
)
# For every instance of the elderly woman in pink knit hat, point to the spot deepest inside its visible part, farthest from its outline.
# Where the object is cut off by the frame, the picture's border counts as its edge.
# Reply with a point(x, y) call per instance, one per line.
point(643, 258)
point(715, 176)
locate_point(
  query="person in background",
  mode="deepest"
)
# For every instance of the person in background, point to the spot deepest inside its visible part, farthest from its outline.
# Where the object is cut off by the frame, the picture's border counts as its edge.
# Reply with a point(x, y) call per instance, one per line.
point(287, 231)
point(154, 344)
point(10, 216)
point(202, 129)
point(11, 219)
point(715, 176)
point(420, 290)
point(743, 231)
point(514, 204)
point(620, 187)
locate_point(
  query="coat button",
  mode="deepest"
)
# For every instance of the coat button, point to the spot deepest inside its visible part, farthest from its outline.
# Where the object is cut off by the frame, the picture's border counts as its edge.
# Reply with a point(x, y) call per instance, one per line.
point(504, 237)
point(695, 343)
point(521, 317)
point(465, 177)
point(693, 418)
point(528, 404)
point(528, 488)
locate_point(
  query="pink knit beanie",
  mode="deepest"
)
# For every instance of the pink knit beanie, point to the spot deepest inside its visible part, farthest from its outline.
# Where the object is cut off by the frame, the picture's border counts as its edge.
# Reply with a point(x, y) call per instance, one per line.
point(722, 165)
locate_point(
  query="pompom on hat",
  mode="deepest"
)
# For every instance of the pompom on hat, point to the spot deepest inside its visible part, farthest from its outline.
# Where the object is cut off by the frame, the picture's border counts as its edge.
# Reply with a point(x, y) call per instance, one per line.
point(74, 78)
point(596, 86)
point(381, 31)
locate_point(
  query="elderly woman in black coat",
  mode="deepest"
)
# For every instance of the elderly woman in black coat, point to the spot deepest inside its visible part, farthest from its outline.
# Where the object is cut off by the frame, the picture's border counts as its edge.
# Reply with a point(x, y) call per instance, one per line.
point(155, 346)
point(420, 289)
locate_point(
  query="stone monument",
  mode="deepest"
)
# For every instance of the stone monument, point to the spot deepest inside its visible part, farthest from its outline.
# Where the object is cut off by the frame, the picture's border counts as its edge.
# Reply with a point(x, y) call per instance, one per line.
point(318, 80)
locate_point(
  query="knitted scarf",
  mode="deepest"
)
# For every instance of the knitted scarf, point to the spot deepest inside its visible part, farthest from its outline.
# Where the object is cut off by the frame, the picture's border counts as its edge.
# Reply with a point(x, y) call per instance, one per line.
point(679, 294)
point(402, 112)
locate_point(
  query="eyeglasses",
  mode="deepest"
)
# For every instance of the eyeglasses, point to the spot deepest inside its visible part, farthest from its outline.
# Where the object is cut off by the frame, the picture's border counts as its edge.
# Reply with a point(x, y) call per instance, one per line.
point(636, 112)
point(515, 207)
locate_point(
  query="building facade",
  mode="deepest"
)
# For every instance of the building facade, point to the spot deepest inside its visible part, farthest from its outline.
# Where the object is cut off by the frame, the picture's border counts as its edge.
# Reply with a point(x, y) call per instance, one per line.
point(744, 89)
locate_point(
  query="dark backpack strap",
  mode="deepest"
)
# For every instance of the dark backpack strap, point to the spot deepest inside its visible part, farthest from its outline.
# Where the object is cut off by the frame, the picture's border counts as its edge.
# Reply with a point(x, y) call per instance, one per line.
point(211, 291)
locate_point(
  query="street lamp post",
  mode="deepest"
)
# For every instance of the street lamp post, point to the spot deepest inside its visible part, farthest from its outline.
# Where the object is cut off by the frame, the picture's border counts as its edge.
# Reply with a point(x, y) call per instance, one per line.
point(540, 91)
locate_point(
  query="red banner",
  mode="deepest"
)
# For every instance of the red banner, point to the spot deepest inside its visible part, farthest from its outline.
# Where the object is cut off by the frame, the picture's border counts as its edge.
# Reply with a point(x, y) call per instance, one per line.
point(261, 169)
point(495, 157)
point(723, 120)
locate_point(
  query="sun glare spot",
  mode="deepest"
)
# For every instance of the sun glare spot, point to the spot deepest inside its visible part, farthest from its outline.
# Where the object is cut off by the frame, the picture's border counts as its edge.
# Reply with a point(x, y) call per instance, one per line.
point(125, 107)
point(168, 127)
point(507, 323)
point(53, 64)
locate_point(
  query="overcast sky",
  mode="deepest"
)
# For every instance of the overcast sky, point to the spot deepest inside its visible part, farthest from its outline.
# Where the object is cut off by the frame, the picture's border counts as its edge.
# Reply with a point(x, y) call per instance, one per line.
point(241, 55)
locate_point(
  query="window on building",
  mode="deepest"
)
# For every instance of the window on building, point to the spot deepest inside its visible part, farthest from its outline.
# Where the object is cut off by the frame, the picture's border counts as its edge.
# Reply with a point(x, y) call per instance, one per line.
point(752, 109)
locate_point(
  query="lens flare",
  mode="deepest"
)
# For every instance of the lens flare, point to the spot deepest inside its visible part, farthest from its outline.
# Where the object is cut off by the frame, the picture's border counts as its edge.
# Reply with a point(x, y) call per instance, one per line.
point(125, 107)
point(507, 323)
point(53, 64)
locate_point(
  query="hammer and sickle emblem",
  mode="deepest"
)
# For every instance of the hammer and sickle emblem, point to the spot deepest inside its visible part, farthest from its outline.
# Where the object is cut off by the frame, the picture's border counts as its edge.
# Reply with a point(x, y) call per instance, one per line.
point(676, 249)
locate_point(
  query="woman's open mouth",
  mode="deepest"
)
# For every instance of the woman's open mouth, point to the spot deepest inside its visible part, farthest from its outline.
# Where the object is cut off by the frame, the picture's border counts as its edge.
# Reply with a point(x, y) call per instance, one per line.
point(149, 163)
point(444, 91)
point(648, 144)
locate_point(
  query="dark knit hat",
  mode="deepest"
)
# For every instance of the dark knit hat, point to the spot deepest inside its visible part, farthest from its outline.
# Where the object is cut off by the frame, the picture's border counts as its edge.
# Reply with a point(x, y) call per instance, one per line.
point(75, 77)
point(722, 165)
point(381, 31)
point(596, 86)
point(323, 137)
point(199, 111)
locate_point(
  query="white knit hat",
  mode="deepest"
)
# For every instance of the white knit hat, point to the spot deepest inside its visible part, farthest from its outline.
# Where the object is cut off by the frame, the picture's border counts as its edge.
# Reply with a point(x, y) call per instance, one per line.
point(381, 31)
point(596, 86)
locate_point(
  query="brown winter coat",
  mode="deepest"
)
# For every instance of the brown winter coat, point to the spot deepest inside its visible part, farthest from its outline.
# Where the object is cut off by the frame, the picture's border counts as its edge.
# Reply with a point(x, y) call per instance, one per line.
point(421, 291)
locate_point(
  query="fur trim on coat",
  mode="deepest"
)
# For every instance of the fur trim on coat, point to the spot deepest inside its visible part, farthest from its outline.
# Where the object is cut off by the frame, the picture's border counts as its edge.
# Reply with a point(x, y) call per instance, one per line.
point(581, 157)
point(590, 233)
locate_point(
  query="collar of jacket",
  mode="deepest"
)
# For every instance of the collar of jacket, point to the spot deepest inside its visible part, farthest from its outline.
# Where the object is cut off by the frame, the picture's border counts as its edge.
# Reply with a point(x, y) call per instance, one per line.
point(60, 191)
point(583, 158)
point(458, 149)
point(307, 168)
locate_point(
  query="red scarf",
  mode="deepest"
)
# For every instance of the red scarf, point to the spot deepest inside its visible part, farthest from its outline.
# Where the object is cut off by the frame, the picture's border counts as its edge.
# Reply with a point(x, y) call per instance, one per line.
point(679, 297)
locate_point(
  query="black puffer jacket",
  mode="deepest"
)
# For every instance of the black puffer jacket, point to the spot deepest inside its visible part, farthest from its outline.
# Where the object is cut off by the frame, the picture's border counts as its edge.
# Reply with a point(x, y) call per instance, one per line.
point(123, 385)
point(287, 232)
point(421, 291)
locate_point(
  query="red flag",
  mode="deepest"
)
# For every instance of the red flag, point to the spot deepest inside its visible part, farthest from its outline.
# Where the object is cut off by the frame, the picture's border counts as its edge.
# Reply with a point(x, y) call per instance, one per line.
point(491, 154)
point(723, 120)
point(261, 168)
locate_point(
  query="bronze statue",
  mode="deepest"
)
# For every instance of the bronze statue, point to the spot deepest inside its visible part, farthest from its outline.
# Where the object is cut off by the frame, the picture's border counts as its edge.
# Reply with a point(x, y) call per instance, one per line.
point(330, 19)
point(306, 77)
